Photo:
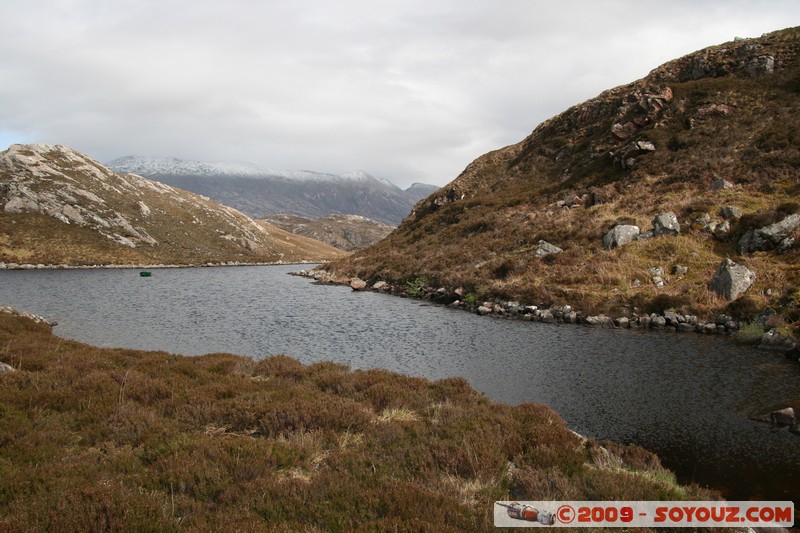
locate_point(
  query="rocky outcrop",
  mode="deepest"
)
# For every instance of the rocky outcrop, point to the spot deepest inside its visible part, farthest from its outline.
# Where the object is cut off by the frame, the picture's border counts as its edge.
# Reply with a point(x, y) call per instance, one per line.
point(731, 280)
point(620, 236)
point(776, 236)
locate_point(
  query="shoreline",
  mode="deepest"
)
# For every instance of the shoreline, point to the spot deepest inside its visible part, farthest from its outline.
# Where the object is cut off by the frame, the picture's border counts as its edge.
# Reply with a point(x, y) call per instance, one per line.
point(667, 321)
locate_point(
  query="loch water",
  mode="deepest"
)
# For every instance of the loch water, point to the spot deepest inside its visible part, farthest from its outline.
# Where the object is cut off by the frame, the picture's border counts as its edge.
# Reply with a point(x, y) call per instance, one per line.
point(687, 397)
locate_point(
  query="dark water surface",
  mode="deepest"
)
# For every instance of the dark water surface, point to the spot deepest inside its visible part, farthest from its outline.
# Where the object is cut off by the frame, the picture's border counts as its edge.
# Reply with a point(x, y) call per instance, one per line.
point(686, 397)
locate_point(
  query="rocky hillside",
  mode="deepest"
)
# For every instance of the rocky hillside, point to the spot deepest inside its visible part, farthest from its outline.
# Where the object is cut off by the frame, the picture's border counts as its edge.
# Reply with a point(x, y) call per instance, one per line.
point(345, 232)
point(261, 192)
point(58, 206)
point(628, 203)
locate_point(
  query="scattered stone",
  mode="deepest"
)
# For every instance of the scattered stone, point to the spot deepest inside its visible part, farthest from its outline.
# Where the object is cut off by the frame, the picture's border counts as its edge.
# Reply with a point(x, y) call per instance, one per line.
point(658, 321)
point(483, 310)
point(6, 368)
point(380, 285)
point(644, 321)
point(599, 320)
point(666, 224)
point(731, 280)
point(620, 236)
point(636, 284)
point(722, 231)
point(685, 326)
point(622, 322)
point(673, 318)
point(680, 270)
point(627, 159)
point(547, 317)
point(718, 184)
point(358, 284)
point(730, 212)
point(544, 248)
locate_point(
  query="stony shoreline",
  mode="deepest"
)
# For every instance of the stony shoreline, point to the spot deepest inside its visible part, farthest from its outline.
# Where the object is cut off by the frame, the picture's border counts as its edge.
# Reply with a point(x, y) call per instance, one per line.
point(566, 314)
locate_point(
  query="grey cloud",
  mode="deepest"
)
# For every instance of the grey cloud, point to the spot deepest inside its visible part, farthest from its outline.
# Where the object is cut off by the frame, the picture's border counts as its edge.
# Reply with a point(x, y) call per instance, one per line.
point(410, 91)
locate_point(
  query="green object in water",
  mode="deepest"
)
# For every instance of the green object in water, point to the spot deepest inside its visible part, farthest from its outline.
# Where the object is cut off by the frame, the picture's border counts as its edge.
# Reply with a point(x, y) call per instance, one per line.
point(145, 273)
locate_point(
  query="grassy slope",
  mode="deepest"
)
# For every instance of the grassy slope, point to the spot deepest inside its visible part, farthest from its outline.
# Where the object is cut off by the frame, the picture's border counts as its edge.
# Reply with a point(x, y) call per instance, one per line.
point(345, 232)
point(111, 439)
point(480, 231)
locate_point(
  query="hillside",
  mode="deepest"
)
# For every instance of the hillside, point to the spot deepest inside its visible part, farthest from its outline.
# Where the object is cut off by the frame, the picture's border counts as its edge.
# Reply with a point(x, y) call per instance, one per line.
point(345, 232)
point(261, 192)
point(98, 439)
point(711, 141)
point(58, 206)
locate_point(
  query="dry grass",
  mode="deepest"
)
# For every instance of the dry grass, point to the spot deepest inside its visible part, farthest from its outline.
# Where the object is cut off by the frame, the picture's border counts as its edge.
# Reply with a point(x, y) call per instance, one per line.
point(112, 439)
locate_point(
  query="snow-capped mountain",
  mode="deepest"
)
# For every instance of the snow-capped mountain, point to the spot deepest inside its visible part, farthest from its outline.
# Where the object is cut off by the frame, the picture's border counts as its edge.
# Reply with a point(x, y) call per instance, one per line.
point(261, 192)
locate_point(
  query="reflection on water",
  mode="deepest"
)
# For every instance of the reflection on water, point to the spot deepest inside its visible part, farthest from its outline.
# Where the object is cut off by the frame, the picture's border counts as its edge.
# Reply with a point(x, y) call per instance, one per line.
point(685, 396)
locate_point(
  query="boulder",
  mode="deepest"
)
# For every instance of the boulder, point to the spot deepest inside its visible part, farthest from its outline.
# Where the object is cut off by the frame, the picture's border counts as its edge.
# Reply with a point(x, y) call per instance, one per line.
point(774, 236)
point(622, 322)
point(599, 320)
point(666, 224)
point(731, 280)
point(483, 310)
point(380, 285)
point(6, 368)
point(544, 248)
point(658, 322)
point(784, 417)
point(722, 231)
point(358, 284)
point(730, 211)
point(685, 326)
point(680, 270)
point(718, 184)
point(760, 66)
point(620, 236)
point(673, 318)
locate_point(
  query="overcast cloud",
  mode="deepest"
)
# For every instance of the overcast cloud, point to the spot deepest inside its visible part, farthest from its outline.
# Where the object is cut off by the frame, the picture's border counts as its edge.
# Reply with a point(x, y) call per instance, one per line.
point(407, 90)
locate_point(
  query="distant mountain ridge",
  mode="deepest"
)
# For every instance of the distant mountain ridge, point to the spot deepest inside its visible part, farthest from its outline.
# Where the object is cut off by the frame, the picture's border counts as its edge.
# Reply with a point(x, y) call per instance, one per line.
point(261, 192)
point(58, 206)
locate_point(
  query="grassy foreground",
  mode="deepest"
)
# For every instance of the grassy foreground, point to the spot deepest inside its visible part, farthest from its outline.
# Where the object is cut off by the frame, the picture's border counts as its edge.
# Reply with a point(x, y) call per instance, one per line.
point(112, 439)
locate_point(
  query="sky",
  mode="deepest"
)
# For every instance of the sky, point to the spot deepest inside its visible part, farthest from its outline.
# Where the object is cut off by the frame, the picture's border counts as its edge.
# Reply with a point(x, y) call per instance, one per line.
point(410, 91)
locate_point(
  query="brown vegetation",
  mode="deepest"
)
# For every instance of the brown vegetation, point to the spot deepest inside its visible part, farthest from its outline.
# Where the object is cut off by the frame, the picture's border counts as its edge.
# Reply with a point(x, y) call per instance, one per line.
point(114, 439)
point(566, 184)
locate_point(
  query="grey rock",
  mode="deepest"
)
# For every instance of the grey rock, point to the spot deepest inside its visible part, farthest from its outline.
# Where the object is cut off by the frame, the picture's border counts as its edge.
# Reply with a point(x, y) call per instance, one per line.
point(709, 328)
point(544, 248)
point(380, 285)
point(769, 237)
point(784, 417)
point(622, 322)
point(658, 322)
point(599, 320)
point(644, 321)
point(656, 271)
point(680, 270)
point(620, 236)
point(666, 224)
point(731, 280)
point(720, 320)
point(760, 66)
point(358, 284)
point(571, 317)
point(636, 283)
point(673, 318)
point(659, 282)
point(685, 326)
point(547, 317)
point(718, 184)
point(646, 235)
point(730, 211)
point(483, 310)
point(6, 368)
point(722, 231)
point(772, 340)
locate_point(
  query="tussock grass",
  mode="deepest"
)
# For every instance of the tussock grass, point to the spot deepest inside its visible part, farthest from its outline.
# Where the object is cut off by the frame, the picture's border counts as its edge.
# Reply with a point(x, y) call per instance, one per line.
point(113, 439)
